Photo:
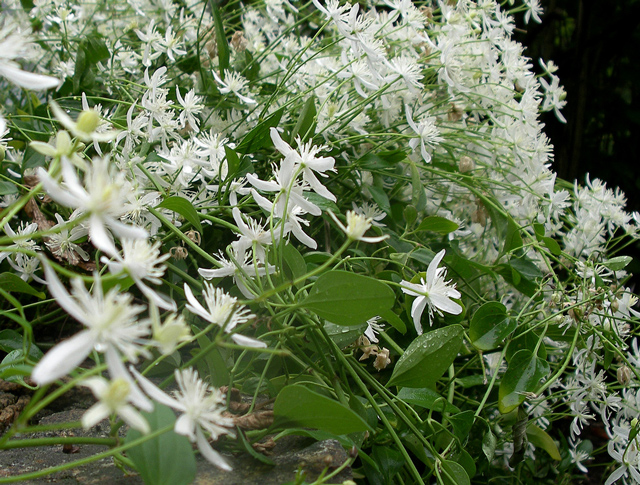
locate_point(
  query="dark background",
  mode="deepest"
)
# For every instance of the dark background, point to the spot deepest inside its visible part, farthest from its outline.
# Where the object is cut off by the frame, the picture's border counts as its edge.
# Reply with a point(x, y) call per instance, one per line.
point(597, 48)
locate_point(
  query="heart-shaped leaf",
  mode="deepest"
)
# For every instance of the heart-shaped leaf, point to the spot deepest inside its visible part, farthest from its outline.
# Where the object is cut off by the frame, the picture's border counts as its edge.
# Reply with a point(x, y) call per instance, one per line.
point(490, 325)
point(523, 375)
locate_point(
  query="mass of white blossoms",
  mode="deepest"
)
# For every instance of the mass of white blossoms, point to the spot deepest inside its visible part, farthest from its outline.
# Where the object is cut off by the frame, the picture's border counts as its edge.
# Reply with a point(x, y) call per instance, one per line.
point(260, 196)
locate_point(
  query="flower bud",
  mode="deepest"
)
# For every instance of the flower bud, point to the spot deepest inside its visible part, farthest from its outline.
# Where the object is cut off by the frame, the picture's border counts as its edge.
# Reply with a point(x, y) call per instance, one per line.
point(88, 121)
point(2, 153)
point(465, 164)
point(410, 214)
point(624, 375)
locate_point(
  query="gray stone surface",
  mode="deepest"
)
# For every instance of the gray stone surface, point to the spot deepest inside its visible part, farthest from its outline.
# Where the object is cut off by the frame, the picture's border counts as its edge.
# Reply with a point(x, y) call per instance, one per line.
point(289, 454)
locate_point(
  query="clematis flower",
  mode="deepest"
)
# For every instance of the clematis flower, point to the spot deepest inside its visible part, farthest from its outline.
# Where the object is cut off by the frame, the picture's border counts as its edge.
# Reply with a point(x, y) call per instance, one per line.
point(234, 84)
point(433, 293)
point(86, 127)
point(103, 197)
point(111, 327)
point(357, 225)
point(202, 406)
point(113, 397)
point(224, 311)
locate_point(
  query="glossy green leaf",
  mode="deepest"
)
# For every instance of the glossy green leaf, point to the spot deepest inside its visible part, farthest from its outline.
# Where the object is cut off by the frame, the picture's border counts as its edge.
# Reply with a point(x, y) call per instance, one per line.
point(166, 459)
point(300, 406)
point(490, 325)
point(342, 335)
point(552, 245)
point(540, 439)
point(453, 473)
point(426, 398)
point(523, 375)
point(11, 340)
point(428, 357)
point(233, 162)
point(183, 207)
point(306, 120)
point(437, 224)
point(418, 195)
point(461, 423)
point(617, 263)
point(489, 444)
point(13, 284)
point(513, 239)
point(294, 265)
point(260, 136)
point(346, 298)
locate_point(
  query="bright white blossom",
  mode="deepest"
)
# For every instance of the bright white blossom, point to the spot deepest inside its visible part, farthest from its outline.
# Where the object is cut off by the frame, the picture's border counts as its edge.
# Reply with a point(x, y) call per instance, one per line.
point(433, 293)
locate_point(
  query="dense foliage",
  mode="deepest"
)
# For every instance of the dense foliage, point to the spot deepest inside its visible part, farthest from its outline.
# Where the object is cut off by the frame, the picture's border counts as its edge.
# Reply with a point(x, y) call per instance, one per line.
point(347, 209)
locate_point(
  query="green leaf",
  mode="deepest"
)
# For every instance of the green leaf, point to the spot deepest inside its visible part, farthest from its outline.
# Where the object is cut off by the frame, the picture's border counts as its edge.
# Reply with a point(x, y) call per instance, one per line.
point(7, 188)
point(216, 366)
point(490, 325)
point(618, 263)
point(380, 197)
point(428, 399)
point(513, 239)
point(540, 439)
point(233, 162)
point(11, 340)
point(221, 39)
point(316, 435)
point(461, 423)
point(467, 462)
point(394, 320)
point(13, 284)
point(453, 473)
point(306, 120)
point(489, 444)
point(552, 245)
point(342, 335)
point(183, 207)
point(523, 375)
point(260, 137)
point(418, 195)
point(294, 265)
point(346, 298)
point(428, 357)
point(301, 406)
point(166, 459)
point(437, 224)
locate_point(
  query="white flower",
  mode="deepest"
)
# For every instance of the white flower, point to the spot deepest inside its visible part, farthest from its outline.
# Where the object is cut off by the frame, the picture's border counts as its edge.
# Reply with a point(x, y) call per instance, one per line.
point(224, 311)
point(13, 46)
point(167, 335)
point(202, 406)
point(357, 225)
point(103, 198)
point(434, 292)
point(373, 328)
point(234, 84)
point(143, 261)
point(191, 105)
point(113, 397)
point(112, 327)
point(86, 127)
point(428, 134)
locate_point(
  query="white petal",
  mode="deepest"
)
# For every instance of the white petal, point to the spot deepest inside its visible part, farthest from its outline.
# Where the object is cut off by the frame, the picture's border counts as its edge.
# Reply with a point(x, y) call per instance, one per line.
point(444, 304)
point(416, 312)
point(248, 341)
point(61, 295)
point(100, 238)
point(209, 453)
point(27, 80)
point(155, 392)
point(134, 419)
point(185, 426)
point(194, 305)
point(433, 267)
point(215, 273)
point(127, 231)
point(52, 188)
point(63, 358)
point(118, 370)
point(95, 414)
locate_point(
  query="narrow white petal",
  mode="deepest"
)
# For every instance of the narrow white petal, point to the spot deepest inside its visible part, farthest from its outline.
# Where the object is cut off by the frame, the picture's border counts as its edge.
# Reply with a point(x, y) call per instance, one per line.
point(185, 426)
point(215, 273)
point(154, 392)
point(194, 305)
point(416, 312)
point(59, 292)
point(118, 370)
point(27, 80)
point(52, 188)
point(209, 453)
point(63, 358)
point(100, 238)
point(433, 267)
point(95, 414)
point(248, 341)
point(134, 419)
point(444, 304)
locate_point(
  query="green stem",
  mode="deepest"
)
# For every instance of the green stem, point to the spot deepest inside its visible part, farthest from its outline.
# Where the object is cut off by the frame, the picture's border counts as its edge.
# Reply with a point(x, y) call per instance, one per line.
point(62, 440)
